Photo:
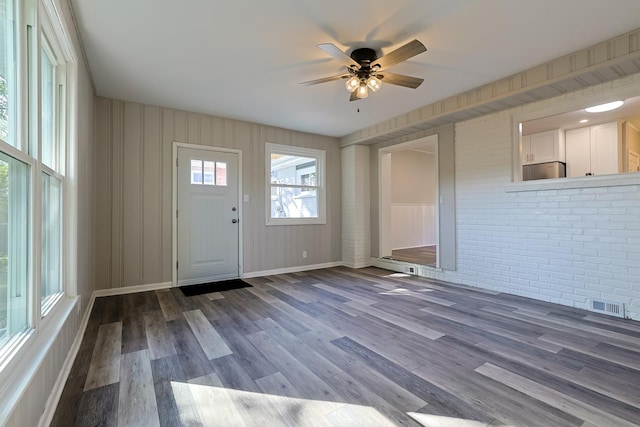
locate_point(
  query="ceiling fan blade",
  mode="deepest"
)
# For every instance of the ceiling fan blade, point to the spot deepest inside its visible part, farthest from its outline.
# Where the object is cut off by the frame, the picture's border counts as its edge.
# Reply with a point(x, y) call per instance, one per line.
point(353, 97)
point(324, 80)
point(333, 51)
point(401, 80)
point(402, 53)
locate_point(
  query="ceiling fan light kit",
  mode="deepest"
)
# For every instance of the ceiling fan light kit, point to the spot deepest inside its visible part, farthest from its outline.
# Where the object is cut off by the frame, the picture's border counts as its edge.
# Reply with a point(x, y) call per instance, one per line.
point(365, 71)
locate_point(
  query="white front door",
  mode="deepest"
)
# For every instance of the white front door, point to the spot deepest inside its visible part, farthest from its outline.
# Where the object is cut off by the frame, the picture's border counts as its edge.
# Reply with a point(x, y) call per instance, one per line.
point(208, 217)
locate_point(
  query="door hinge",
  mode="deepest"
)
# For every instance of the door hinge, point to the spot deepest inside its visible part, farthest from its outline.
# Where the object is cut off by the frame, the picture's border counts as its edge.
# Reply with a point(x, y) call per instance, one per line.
point(176, 213)
point(176, 162)
point(176, 265)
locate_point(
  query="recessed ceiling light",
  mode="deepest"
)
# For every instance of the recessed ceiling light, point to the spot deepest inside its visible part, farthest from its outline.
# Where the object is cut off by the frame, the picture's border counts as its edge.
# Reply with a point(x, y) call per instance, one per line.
point(604, 107)
point(584, 121)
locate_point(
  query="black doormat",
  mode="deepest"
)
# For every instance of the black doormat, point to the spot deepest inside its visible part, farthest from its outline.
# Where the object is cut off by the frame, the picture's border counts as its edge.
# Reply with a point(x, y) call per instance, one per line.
point(207, 288)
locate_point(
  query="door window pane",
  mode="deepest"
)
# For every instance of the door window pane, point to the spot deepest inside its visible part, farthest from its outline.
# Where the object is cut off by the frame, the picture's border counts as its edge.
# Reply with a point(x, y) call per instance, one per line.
point(14, 209)
point(209, 173)
point(7, 73)
point(51, 275)
point(196, 171)
point(221, 173)
point(204, 172)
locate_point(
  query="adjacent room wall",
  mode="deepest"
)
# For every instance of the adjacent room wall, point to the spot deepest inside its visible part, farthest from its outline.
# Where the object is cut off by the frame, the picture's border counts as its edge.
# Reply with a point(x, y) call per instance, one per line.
point(413, 176)
point(413, 196)
point(134, 192)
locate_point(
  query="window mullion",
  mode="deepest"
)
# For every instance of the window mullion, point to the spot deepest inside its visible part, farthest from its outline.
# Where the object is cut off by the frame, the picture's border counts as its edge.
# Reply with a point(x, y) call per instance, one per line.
point(36, 243)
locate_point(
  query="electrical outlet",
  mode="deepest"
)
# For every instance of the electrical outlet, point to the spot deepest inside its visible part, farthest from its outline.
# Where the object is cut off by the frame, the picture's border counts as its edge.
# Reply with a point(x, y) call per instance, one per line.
point(412, 270)
point(304, 254)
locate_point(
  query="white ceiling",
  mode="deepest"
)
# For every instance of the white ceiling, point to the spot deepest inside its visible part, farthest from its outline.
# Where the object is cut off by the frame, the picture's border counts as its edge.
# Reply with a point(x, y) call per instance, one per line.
point(244, 59)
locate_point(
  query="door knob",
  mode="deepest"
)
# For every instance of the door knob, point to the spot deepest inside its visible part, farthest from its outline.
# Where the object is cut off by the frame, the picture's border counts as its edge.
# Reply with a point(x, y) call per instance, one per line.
point(234, 220)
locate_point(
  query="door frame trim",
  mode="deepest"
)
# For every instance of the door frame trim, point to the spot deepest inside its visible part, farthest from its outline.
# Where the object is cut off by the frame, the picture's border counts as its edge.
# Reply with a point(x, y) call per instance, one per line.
point(174, 203)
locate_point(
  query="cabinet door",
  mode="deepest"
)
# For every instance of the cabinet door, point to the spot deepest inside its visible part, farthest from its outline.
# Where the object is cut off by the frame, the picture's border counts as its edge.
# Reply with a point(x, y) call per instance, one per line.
point(544, 147)
point(578, 153)
point(604, 149)
point(525, 149)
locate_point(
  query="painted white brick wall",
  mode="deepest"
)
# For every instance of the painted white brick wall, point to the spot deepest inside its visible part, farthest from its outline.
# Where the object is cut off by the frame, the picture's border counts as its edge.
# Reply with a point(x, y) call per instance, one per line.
point(565, 246)
point(356, 237)
point(562, 245)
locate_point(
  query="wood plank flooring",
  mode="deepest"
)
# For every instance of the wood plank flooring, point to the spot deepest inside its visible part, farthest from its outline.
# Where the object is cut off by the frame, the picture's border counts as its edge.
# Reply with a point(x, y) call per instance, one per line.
point(344, 347)
point(423, 255)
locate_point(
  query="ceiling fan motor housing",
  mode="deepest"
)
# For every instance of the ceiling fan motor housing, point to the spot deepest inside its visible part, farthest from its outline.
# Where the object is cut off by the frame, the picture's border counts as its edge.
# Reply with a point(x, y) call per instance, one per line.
point(364, 56)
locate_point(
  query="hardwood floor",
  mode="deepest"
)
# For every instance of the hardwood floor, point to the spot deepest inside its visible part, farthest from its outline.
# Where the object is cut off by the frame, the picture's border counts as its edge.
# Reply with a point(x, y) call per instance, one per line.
point(424, 255)
point(343, 347)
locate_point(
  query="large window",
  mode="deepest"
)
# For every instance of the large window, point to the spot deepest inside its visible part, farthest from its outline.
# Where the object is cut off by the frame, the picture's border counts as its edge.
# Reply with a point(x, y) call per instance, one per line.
point(7, 72)
point(14, 249)
point(295, 183)
point(33, 135)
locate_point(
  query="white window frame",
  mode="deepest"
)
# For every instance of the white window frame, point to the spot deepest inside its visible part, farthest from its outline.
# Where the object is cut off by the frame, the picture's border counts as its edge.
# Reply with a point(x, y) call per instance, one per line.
point(319, 156)
point(35, 31)
point(48, 44)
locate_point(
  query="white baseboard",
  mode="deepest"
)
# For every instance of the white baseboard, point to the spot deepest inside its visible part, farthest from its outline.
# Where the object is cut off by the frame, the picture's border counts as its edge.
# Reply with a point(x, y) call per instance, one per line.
point(291, 269)
point(132, 289)
point(358, 264)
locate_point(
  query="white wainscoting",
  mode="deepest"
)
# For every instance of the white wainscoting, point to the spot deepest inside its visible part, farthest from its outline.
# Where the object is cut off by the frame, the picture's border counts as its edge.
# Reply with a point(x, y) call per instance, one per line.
point(412, 225)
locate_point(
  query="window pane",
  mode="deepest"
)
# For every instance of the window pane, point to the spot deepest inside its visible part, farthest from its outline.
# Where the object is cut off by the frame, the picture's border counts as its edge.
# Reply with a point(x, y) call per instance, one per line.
point(14, 208)
point(221, 173)
point(51, 244)
point(294, 202)
point(286, 169)
point(209, 173)
point(196, 171)
point(7, 73)
point(48, 113)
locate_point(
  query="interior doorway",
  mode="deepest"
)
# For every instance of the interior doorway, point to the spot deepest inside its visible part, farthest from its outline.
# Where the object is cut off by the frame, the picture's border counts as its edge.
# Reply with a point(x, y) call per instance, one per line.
point(409, 202)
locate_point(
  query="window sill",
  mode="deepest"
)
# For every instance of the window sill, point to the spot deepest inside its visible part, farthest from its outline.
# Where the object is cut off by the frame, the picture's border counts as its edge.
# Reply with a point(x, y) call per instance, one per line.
point(295, 221)
point(616, 180)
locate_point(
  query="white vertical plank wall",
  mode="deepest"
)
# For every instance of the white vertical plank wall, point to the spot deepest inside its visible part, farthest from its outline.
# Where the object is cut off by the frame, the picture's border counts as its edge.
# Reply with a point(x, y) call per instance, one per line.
point(135, 170)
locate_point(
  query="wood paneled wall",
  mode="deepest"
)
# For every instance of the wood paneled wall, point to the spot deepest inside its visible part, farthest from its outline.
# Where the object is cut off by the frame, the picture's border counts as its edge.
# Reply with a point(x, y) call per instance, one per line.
point(133, 192)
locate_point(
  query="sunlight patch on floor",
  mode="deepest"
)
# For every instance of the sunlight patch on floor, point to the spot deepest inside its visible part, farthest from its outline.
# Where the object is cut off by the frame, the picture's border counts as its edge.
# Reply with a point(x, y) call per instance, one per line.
point(439, 421)
point(219, 406)
point(398, 275)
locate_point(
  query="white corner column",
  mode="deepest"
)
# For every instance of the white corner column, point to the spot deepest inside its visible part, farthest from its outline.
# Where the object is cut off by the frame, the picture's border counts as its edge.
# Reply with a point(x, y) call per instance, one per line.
point(356, 207)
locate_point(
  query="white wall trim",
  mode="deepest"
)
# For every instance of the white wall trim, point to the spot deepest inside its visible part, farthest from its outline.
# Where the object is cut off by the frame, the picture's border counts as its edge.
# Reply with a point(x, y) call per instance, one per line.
point(594, 181)
point(291, 269)
point(131, 289)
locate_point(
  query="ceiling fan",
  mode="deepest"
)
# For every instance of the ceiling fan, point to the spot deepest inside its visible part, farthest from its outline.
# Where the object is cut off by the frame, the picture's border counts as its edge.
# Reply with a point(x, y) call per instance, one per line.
point(366, 71)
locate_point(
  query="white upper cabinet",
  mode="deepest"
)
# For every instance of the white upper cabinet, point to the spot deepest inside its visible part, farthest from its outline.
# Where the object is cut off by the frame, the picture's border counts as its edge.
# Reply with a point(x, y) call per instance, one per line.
point(593, 150)
point(543, 147)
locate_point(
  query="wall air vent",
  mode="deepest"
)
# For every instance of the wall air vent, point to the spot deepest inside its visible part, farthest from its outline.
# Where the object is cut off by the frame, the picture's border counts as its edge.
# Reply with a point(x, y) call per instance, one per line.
point(607, 307)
